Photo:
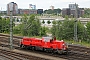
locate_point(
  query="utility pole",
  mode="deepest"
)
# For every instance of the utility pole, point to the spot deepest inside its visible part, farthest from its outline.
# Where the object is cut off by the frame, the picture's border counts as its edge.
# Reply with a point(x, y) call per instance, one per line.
point(75, 25)
point(11, 31)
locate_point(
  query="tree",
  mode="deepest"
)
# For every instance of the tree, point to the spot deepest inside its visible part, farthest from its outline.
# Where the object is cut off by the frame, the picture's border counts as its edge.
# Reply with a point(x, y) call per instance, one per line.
point(87, 13)
point(43, 31)
point(43, 21)
point(23, 25)
point(48, 22)
point(4, 25)
point(88, 31)
point(7, 25)
point(59, 32)
point(16, 29)
point(68, 28)
point(80, 31)
point(65, 29)
point(30, 26)
point(53, 29)
point(55, 11)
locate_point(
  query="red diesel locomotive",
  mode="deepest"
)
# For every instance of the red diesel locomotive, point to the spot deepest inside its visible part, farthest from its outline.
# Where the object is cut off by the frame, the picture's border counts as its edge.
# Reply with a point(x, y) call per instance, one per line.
point(44, 44)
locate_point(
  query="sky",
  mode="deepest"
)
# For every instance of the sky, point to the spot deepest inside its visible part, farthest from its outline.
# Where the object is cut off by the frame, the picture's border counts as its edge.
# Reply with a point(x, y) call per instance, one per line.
point(45, 4)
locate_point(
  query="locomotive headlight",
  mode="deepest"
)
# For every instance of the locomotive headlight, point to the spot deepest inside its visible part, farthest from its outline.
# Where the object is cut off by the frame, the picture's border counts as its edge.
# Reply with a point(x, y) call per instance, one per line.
point(63, 44)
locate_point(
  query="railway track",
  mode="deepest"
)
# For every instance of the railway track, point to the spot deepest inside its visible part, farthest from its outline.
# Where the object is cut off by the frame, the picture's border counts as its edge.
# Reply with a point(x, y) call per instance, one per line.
point(18, 56)
point(76, 52)
point(10, 55)
point(79, 48)
point(71, 56)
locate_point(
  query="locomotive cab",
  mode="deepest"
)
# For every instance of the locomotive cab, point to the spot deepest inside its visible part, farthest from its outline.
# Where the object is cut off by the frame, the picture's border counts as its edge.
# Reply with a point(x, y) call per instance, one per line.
point(62, 47)
point(47, 39)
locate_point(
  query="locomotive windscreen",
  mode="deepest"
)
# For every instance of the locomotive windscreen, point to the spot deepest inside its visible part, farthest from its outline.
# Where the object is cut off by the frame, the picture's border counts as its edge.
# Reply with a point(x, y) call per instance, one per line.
point(47, 39)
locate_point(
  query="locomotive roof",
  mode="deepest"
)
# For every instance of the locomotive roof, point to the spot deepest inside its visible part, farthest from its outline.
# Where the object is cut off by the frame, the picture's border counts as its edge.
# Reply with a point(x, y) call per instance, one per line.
point(59, 41)
point(47, 37)
point(38, 38)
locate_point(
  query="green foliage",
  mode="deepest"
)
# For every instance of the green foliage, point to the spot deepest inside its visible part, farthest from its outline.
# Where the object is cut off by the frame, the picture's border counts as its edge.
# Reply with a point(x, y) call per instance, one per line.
point(68, 29)
point(80, 30)
point(54, 22)
point(53, 29)
point(58, 32)
point(87, 13)
point(4, 25)
point(55, 11)
point(65, 29)
point(87, 30)
point(43, 21)
point(7, 25)
point(16, 30)
point(48, 22)
point(43, 31)
point(31, 26)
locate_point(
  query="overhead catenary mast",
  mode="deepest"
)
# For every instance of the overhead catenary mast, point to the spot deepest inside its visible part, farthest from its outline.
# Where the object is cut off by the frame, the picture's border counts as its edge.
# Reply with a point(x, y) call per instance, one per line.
point(11, 27)
point(75, 25)
point(11, 31)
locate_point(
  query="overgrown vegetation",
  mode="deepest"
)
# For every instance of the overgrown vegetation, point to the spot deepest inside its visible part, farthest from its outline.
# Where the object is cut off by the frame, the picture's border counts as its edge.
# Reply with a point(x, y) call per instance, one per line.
point(31, 26)
point(65, 30)
point(4, 25)
point(87, 13)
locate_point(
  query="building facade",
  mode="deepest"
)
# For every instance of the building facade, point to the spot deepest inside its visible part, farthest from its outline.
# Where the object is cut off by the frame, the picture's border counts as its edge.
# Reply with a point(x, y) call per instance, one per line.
point(73, 6)
point(71, 11)
point(31, 6)
point(39, 11)
point(27, 11)
point(52, 7)
point(12, 7)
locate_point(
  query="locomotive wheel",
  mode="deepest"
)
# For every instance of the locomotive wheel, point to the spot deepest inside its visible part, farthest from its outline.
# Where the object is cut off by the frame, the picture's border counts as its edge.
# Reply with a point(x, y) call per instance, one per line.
point(22, 46)
point(66, 52)
point(53, 52)
point(59, 51)
point(42, 49)
point(33, 48)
